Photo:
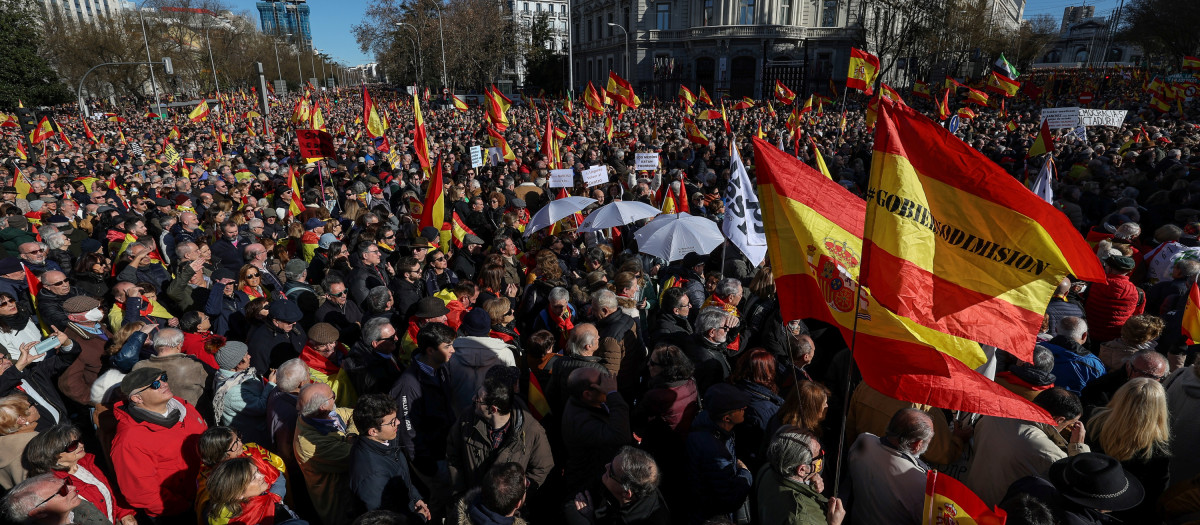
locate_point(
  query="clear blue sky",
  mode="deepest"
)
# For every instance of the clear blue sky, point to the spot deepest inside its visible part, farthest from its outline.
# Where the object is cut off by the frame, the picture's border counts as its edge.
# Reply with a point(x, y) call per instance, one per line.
point(331, 22)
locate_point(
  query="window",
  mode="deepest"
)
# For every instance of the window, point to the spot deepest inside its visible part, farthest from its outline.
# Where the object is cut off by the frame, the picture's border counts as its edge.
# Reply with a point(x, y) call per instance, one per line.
point(610, 27)
point(746, 12)
point(525, 7)
point(539, 7)
point(664, 17)
point(562, 9)
point(707, 13)
point(575, 34)
point(785, 12)
point(590, 37)
point(829, 16)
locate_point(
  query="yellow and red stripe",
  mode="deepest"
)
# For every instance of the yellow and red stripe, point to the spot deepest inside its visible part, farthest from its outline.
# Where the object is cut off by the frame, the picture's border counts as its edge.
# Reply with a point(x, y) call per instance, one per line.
point(958, 245)
point(947, 500)
point(1191, 315)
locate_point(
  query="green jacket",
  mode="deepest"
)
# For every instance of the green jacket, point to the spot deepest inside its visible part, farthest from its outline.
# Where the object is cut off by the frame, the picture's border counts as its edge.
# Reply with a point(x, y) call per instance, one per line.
point(787, 502)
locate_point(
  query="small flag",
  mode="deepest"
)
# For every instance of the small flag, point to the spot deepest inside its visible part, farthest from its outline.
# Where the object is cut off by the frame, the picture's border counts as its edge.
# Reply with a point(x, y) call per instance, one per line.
point(1005, 67)
point(863, 69)
point(947, 500)
point(1044, 143)
point(1191, 315)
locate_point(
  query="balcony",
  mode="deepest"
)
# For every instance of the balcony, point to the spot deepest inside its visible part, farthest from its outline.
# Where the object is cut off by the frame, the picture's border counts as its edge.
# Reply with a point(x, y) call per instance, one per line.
point(746, 31)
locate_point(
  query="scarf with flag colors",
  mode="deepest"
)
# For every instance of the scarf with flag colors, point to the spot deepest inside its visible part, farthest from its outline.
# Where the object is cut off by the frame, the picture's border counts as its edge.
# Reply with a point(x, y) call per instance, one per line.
point(814, 240)
point(947, 500)
point(863, 69)
point(956, 244)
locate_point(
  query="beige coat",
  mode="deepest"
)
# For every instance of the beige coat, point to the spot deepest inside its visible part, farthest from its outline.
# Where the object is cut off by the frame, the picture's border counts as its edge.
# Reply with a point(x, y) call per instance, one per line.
point(870, 411)
point(1009, 449)
point(325, 461)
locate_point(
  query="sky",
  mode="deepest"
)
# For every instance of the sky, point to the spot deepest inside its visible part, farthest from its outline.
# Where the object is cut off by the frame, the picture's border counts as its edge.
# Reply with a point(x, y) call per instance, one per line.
point(331, 22)
point(1055, 7)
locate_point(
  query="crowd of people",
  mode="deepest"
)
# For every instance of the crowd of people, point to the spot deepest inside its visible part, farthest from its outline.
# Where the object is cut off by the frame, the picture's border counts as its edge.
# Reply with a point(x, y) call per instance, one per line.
point(181, 344)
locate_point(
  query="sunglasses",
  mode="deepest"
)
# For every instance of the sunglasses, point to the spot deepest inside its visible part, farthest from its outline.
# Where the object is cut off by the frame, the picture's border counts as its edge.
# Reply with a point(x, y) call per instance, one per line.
point(818, 463)
point(439, 259)
point(72, 446)
point(63, 491)
point(339, 294)
point(252, 276)
point(6, 302)
point(57, 283)
point(154, 385)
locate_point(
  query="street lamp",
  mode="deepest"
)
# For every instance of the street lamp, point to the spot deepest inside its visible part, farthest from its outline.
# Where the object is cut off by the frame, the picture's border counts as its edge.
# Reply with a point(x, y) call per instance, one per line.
point(420, 54)
point(442, 38)
point(146, 40)
point(312, 60)
point(277, 68)
point(324, 79)
point(216, 83)
point(618, 26)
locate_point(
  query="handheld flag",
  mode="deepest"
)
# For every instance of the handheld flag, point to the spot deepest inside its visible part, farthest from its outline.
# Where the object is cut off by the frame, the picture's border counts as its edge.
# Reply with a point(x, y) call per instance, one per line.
point(921, 89)
point(374, 124)
point(947, 500)
point(459, 103)
point(820, 159)
point(686, 97)
point(296, 204)
point(41, 132)
point(783, 94)
point(1044, 142)
point(1191, 63)
point(704, 97)
point(1004, 66)
point(621, 91)
point(863, 69)
point(693, 132)
point(954, 243)
point(1002, 84)
point(421, 142)
point(1191, 315)
point(434, 211)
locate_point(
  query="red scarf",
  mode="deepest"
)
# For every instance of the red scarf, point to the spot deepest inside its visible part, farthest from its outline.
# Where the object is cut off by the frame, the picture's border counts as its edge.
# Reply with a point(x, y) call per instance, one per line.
point(323, 364)
point(501, 336)
point(254, 294)
point(564, 327)
point(259, 510)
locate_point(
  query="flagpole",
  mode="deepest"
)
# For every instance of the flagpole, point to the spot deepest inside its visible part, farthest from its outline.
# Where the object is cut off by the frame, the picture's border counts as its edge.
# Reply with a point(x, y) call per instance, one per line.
point(845, 91)
point(837, 473)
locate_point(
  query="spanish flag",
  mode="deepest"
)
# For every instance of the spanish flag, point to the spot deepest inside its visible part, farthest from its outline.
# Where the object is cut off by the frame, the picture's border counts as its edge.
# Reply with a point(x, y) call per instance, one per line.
point(966, 113)
point(863, 69)
point(421, 142)
point(1002, 84)
point(621, 91)
point(200, 112)
point(497, 108)
point(921, 89)
point(433, 213)
point(498, 141)
point(24, 154)
point(873, 105)
point(375, 125)
point(693, 132)
point(820, 159)
point(21, 183)
point(592, 100)
point(459, 230)
point(538, 405)
point(41, 132)
point(783, 94)
point(459, 103)
point(686, 97)
point(975, 96)
point(1191, 63)
point(815, 244)
point(87, 132)
point(704, 96)
point(943, 105)
point(958, 245)
point(1044, 142)
point(947, 500)
point(1191, 315)
point(296, 204)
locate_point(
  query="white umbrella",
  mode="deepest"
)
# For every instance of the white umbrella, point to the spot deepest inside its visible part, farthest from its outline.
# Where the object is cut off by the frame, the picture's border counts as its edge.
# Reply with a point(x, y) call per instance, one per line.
point(673, 236)
point(556, 211)
point(618, 213)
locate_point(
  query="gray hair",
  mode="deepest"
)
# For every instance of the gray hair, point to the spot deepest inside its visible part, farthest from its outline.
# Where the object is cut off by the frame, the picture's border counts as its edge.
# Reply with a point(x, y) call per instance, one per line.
point(185, 248)
point(909, 426)
point(640, 474)
point(604, 300)
point(313, 406)
point(1043, 358)
point(710, 318)
point(377, 298)
point(789, 450)
point(1072, 327)
point(559, 293)
point(255, 223)
point(1188, 268)
point(23, 498)
point(728, 287)
point(373, 329)
point(168, 338)
point(55, 240)
point(581, 339)
point(291, 374)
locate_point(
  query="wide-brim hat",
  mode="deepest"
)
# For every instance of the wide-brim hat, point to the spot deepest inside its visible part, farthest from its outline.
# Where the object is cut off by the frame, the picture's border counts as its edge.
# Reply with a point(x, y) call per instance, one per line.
point(1096, 481)
point(430, 307)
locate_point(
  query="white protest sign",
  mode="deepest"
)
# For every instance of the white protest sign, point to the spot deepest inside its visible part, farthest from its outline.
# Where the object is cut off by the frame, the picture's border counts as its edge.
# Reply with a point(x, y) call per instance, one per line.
point(1060, 118)
point(476, 156)
point(595, 175)
point(645, 162)
point(1102, 117)
point(562, 178)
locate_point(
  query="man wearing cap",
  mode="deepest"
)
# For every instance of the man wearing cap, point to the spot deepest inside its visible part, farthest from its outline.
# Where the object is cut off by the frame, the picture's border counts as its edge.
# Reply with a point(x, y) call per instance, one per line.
point(279, 339)
point(189, 373)
point(15, 234)
point(719, 481)
point(154, 451)
point(1109, 304)
point(474, 354)
point(90, 337)
point(427, 311)
point(323, 355)
point(465, 262)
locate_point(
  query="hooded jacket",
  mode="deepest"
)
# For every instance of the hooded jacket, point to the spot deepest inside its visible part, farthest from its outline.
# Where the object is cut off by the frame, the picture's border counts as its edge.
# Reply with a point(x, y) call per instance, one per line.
point(156, 466)
point(621, 350)
point(469, 452)
point(473, 357)
point(469, 510)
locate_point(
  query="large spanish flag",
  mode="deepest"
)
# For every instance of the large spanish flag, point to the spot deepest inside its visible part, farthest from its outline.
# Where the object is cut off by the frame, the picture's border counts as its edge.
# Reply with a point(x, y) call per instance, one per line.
point(1191, 315)
point(783, 94)
point(814, 239)
point(947, 500)
point(621, 91)
point(421, 139)
point(958, 245)
point(375, 124)
point(863, 69)
point(433, 213)
point(1002, 84)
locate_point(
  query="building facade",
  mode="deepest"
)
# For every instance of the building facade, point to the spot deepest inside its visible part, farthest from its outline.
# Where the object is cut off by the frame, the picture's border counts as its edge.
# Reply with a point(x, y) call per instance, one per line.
point(1086, 40)
point(281, 17)
point(524, 12)
point(83, 10)
point(732, 48)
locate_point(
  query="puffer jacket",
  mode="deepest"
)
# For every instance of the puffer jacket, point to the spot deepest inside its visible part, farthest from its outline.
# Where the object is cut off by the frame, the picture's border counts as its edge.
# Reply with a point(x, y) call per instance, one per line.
point(1110, 304)
point(156, 466)
point(469, 451)
point(473, 357)
point(1074, 367)
point(717, 483)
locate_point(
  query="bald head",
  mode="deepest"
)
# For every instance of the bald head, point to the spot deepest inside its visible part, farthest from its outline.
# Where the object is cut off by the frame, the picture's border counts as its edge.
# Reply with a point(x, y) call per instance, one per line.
point(256, 252)
point(120, 289)
point(584, 340)
point(1147, 363)
point(315, 400)
point(910, 430)
point(582, 379)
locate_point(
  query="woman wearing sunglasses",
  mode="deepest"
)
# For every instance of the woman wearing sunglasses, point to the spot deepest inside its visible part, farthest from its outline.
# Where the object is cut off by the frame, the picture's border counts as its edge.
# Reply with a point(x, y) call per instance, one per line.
point(59, 451)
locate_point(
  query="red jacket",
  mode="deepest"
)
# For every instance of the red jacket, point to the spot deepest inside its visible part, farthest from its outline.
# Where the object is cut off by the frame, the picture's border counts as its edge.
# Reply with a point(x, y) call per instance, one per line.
point(92, 494)
point(156, 466)
point(1109, 305)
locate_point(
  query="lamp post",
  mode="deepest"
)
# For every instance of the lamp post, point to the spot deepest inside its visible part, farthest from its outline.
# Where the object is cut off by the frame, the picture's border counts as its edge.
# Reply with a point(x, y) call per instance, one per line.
point(626, 66)
point(277, 68)
point(312, 60)
point(213, 63)
point(299, 40)
point(146, 40)
point(442, 38)
point(324, 79)
point(420, 54)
